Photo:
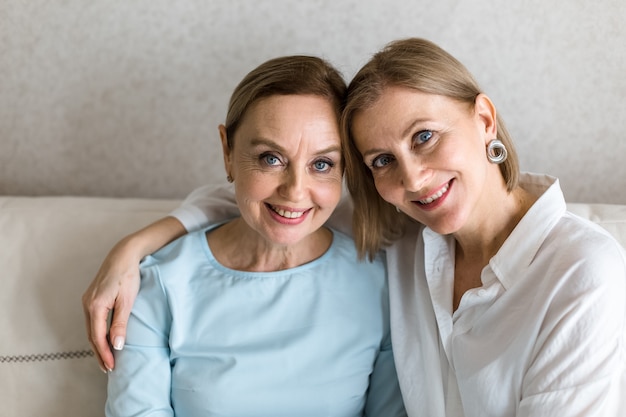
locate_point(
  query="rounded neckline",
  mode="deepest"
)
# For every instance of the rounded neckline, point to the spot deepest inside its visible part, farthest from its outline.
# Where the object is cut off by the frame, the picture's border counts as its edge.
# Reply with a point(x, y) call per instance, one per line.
point(218, 265)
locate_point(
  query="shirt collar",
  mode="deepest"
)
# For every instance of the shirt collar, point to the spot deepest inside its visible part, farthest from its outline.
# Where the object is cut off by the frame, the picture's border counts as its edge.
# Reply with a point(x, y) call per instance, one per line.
point(520, 248)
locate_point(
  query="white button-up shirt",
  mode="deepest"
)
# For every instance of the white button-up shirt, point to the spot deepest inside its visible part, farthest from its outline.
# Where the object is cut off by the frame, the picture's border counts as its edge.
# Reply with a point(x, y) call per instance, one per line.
point(543, 336)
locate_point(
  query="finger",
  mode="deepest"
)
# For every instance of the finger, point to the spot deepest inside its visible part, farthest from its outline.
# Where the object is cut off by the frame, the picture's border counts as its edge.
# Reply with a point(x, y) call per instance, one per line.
point(98, 316)
point(87, 316)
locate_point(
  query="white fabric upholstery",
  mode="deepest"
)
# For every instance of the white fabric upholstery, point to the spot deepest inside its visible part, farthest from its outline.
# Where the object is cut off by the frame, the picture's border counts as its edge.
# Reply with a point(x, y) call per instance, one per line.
point(50, 249)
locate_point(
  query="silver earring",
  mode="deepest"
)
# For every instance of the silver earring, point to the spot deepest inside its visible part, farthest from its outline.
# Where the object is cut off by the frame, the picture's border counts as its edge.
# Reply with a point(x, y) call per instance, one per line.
point(229, 178)
point(496, 151)
point(398, 209)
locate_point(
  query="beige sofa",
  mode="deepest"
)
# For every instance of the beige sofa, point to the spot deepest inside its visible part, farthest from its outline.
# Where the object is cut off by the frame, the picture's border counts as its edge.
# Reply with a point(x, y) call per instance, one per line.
point(50, 248)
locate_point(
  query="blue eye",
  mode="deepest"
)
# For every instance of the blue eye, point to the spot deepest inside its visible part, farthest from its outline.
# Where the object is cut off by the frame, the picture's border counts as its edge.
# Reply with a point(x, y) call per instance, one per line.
point(322, 165)
point(423, 136)
point(381, 161)
point(270, 159)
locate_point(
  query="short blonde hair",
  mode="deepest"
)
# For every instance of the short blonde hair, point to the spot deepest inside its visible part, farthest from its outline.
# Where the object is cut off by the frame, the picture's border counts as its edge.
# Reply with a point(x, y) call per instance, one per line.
point(287, 75)
point(420, 65)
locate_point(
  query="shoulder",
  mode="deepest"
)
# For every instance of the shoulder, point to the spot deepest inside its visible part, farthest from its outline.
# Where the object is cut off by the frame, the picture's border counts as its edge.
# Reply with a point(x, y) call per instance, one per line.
point(343, 254)
point(177, 259)
point(583, 240)
point(582, 258)
point(344, 246)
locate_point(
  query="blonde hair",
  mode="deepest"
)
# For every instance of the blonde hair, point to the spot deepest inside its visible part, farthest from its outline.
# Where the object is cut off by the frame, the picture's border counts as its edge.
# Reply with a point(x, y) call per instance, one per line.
point(420, 65)
point(288, 75)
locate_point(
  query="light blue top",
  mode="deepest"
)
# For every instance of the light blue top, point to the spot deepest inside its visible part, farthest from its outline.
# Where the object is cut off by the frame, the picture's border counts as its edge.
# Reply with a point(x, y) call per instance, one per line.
point(206, 340)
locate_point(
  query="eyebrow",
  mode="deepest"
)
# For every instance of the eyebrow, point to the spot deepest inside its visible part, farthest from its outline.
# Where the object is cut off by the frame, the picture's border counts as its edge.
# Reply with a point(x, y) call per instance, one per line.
point(271, 143)
point(373, 152)
point(404, 133)
point(411, 126)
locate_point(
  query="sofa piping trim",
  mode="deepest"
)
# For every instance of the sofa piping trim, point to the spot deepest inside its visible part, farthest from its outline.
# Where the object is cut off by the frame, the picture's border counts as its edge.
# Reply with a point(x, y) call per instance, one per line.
point(43, 357)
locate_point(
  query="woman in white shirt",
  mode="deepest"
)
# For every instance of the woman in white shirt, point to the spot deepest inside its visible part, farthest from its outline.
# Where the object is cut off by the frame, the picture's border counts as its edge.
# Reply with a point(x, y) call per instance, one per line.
point(502, 302)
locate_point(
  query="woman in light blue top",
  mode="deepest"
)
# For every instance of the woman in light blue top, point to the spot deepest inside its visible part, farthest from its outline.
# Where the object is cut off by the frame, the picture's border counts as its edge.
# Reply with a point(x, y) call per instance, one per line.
point(270, 313)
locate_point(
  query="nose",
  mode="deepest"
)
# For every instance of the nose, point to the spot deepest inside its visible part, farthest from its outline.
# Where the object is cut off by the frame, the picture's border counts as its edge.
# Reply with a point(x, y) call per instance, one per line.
point(294, 184)
point(413, 174)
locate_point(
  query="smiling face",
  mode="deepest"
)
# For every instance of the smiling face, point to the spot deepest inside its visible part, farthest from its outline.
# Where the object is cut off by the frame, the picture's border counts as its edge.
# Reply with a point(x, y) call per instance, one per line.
point(286, 165)
point(427, 155)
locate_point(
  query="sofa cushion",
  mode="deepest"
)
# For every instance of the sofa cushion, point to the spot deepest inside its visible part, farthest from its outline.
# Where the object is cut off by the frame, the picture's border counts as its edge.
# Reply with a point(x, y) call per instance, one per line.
point(51, 248)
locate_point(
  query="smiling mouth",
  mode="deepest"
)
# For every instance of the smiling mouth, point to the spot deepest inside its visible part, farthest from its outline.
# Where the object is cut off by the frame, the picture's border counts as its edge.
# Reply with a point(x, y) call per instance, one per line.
point(435, 196)
point(287, 213)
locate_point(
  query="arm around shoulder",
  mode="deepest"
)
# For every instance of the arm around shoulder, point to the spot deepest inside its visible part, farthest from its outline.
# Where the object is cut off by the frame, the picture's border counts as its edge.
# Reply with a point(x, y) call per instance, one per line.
point(210, 203)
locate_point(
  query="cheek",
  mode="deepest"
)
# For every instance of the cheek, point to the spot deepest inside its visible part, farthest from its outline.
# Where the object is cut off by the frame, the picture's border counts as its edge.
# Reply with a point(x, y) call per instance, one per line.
point(329, 192)
point(253, 187)
point(471, 155)
point(387, 188)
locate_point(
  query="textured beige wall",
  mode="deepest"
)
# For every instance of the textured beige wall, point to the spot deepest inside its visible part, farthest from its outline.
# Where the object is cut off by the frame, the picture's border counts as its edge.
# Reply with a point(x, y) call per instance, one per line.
point(123, 97)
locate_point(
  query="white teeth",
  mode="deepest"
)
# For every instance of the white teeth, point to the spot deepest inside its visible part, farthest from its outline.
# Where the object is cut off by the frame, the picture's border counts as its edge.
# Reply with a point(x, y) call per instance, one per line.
point(288, 214)
point(435, 196)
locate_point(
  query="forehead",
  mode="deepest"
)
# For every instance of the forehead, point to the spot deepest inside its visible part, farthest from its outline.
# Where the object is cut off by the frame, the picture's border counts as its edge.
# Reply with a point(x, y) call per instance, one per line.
point(398, 108)
point(397, 100)
point(282, 116)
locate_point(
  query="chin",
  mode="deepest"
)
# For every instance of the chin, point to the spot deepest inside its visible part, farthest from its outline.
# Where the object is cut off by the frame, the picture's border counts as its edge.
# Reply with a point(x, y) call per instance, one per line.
point(445, 227)
point(282, 238)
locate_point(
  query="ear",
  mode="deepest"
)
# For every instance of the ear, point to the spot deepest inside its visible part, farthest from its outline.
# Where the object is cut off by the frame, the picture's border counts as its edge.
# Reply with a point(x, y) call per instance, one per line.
point(485, 111)
point(226, 150)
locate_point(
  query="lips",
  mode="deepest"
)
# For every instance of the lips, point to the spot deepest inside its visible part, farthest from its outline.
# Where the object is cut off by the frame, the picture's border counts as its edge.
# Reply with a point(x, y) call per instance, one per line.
point(435, 196)
point(287, 213)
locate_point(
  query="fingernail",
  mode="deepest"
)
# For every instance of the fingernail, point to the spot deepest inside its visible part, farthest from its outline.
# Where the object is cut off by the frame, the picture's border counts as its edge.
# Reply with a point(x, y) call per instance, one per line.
point(118, 343)
point(103, 370)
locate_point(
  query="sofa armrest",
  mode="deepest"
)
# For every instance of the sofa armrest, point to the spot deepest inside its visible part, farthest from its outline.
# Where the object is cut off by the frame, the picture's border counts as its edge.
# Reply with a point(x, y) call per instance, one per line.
point(51, 248)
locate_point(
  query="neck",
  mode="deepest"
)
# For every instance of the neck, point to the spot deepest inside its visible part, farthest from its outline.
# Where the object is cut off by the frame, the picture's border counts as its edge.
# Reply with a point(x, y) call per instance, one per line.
point(481, 239)
point(494, 221)
point(237, 246)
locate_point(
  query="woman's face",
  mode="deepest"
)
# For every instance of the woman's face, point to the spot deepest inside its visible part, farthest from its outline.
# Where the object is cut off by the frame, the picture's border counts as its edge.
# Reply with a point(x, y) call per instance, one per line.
point(427, 154)
point(286, 165)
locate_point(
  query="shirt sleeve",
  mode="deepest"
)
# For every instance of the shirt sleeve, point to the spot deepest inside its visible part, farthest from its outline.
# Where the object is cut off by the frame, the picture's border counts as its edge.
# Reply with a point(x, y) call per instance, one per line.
point(384, 397)
point(214, 203)
point(578, 367)
point(140, 384)
point(210, 203)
